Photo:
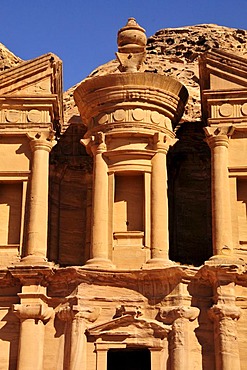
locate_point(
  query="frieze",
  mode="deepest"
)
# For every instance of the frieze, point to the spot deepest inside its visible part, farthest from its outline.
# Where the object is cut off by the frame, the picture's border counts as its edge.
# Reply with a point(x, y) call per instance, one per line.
point(136, 115)
point(228, 110)
point(18, 116)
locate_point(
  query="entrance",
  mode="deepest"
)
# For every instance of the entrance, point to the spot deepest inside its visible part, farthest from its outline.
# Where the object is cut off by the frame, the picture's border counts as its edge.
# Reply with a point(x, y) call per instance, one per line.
point(128, 359)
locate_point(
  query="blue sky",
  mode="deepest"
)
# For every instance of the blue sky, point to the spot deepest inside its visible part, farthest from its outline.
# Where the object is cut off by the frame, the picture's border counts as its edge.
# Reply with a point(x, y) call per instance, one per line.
point(83, 32)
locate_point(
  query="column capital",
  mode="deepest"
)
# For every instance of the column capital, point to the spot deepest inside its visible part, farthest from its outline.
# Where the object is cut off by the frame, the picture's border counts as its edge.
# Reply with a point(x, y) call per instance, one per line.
point(218, 136)
point(169, 314)
point(222, 311)
point(77, 312)
point(97, 143)
point(35, 311)
point(162, 142)
point(42, 144)
point(41, 140)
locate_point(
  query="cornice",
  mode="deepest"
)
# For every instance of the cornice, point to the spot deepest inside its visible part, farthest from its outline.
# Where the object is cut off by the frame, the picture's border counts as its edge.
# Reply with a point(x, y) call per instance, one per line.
point(104, 94)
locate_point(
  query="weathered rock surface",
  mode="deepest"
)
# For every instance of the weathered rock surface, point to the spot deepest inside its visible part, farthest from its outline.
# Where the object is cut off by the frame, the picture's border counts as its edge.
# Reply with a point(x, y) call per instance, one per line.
point(174, 52)
point(7, 58)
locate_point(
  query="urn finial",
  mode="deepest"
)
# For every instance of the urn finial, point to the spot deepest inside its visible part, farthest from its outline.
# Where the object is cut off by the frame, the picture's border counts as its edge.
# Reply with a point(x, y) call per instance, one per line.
point(131, 46)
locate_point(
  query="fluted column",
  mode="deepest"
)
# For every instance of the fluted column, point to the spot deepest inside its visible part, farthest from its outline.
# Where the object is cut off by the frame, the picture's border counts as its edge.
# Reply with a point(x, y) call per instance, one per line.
point(159, 203)
point(31, 339)
point(99, 244)
point(179, 317)
point(36, 242)
point(218, 141)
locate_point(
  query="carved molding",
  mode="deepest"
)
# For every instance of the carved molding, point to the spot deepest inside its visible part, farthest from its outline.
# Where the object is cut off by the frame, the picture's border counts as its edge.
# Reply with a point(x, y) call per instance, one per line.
point(135, 115)
point(20, 116)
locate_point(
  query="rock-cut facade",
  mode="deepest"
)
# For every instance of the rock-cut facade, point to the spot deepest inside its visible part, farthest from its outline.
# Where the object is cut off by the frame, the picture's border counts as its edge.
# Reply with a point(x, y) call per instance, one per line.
point(123, 227)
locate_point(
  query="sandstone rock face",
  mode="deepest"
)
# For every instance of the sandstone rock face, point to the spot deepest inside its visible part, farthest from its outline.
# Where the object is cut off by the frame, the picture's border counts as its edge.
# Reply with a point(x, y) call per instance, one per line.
point(7, 58)
point(174, 52)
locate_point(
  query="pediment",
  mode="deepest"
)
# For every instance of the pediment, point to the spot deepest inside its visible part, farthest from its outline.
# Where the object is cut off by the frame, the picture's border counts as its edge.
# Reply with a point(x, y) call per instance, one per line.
point(129, 326)
point(32, 91)
point(39, 76)
point(220, 70)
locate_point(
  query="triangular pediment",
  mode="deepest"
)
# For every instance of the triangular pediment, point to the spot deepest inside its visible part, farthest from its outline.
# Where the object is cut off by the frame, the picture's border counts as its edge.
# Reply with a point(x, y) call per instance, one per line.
point(39, 76)
point(129, 326)
point(220, 70)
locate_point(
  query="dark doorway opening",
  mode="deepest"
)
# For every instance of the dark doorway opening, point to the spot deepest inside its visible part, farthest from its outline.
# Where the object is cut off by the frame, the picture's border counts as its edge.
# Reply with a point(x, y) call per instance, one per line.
point(129, 359)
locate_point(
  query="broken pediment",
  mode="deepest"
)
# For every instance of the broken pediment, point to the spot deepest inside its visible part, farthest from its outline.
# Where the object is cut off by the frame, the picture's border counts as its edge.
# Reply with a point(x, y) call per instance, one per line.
point(220, 70)
point(223, 81)
point(32, 91)
point(37, 76)
point(130, 326)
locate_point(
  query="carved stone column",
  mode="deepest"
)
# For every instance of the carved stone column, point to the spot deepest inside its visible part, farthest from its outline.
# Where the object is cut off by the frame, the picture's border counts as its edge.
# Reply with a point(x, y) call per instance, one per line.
point(100, 246)
point(159, 203)
point(36, 243)
point(179, 317)
point(31, 341)
point(225, 336)
point(224, 314)
point(78, 341)
point(78, 318)
point(218, 141)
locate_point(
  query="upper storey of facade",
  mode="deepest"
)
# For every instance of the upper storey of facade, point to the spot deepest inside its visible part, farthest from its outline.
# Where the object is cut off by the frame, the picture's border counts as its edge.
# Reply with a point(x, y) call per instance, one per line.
point(110, 169)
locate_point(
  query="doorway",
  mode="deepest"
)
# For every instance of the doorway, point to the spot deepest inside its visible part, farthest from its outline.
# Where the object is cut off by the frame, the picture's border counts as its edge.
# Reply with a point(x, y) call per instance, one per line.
point(129, 359)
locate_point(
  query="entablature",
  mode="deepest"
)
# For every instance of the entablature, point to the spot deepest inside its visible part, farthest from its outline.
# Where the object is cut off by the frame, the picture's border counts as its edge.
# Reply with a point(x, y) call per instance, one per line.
point(225, 107)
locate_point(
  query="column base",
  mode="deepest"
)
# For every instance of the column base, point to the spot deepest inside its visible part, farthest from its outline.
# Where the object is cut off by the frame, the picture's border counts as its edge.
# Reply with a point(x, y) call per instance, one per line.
point(35, 260)
point(155, 263)
point(221, 259)
point(99, 263)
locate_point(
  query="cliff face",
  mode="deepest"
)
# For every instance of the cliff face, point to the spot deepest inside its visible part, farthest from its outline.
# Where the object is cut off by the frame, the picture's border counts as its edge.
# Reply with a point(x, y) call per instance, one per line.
point(7, 58)
point(175, 52)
